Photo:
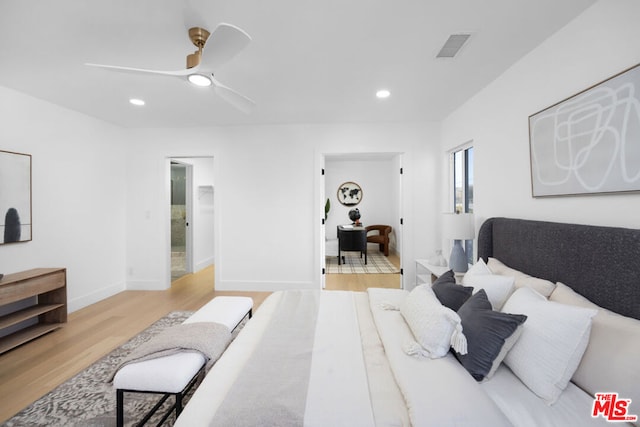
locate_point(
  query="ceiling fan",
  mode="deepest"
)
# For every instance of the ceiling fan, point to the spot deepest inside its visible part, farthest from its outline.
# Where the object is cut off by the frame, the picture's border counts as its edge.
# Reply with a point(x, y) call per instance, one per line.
point(214, 49)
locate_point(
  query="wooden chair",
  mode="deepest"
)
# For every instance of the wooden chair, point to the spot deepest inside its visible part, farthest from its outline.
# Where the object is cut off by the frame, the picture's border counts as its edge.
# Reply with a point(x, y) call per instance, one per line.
point(382, 238)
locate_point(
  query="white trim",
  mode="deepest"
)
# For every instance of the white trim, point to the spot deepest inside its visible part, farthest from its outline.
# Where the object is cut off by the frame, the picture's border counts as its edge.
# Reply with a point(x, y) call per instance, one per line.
point(461, 147)
point(75, 304)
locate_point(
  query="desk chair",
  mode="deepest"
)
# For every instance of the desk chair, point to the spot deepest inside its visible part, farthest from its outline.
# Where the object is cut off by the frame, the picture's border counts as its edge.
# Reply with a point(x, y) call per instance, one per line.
point(382, 238)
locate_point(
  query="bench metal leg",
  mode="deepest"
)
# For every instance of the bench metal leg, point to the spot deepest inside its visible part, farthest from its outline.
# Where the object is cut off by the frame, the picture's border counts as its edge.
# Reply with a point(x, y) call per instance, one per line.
point(119, 408)
point(249, 315)
point(178, 405)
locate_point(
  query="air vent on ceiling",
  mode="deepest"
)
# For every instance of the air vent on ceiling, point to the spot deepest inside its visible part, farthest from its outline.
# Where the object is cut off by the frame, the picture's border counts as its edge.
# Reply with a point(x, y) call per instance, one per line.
point(453, 45)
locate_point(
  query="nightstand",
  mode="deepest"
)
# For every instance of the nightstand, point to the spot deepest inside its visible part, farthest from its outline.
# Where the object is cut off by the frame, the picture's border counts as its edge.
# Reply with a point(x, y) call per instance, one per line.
point(428, 273)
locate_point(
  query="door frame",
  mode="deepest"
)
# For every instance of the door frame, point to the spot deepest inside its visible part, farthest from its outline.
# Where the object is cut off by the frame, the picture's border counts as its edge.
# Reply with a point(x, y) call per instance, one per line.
point(397, 158)
point(189, 214)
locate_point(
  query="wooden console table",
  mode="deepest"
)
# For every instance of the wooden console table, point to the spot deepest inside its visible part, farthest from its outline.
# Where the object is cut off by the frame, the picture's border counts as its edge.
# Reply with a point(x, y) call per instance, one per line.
point(49, 287)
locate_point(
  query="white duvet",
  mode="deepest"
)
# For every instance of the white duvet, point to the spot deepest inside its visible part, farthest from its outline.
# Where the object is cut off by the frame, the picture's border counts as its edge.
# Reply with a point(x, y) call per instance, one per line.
point(360, 375)
point(339, 392)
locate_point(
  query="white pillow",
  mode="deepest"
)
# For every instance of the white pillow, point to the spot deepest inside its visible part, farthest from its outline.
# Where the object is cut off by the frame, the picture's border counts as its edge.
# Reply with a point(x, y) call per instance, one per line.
point(542, 286)
point(506, 347)
point(479, 268)
point(498, 288)
point(433, 325)
point(552, 342)
point(610, 361)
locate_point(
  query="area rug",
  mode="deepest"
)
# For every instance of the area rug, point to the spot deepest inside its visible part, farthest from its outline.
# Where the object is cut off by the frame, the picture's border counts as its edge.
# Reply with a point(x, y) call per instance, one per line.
point(377, 263)
point(88, 400)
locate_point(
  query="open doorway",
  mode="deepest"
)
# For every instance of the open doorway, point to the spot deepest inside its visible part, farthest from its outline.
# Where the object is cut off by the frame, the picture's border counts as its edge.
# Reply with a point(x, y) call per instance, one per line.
point(378, 179)
point(181, 207)
point(192, 229)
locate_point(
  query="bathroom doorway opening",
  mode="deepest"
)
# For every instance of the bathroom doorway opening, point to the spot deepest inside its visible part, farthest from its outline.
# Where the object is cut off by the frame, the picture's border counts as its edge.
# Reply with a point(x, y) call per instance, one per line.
point(181, 206)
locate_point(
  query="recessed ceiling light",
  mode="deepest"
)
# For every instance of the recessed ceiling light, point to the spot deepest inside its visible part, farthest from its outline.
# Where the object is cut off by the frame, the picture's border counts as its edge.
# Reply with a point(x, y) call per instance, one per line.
point(383, 93)
point(136, 101)
point(199, 80)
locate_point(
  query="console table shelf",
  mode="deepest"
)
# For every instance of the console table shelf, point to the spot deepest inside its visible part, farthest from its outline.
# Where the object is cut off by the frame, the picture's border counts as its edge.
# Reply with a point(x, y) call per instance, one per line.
point(27, 334)
point(47, 287)
point(27, 313)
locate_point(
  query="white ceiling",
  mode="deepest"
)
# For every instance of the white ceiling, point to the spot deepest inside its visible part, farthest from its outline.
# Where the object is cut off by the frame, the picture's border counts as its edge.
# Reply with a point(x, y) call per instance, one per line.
point(309, 61)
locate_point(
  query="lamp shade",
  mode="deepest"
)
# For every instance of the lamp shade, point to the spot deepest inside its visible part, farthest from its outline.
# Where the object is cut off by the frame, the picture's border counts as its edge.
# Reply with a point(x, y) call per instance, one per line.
point(458, 226)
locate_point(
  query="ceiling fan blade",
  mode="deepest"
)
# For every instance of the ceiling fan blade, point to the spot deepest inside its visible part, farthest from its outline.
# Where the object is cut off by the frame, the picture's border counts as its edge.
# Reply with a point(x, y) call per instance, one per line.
point(224, 43)
point(178, 73)
point(239, 101)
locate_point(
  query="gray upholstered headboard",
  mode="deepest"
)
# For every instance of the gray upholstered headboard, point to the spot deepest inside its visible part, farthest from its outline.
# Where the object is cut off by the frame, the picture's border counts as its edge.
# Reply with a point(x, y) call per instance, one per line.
point(601, 263)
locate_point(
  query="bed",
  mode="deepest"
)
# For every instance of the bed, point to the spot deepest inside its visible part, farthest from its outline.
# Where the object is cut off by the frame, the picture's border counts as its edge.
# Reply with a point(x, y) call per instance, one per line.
point(319, 358)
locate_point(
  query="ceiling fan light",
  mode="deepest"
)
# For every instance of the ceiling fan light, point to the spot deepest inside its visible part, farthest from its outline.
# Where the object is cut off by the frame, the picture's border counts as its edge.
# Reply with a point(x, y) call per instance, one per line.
point(383, 93)
point(199, 80)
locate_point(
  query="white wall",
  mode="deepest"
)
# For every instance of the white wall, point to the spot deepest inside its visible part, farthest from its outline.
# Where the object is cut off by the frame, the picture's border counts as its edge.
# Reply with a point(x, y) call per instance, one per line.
point(203, 215)
point(267, 197)
point(596, 45)
point(78, 196)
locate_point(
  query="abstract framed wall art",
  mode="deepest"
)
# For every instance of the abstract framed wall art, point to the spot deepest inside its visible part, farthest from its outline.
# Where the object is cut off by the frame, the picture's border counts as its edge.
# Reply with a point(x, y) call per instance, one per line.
point(590, 142)
point(15, 197)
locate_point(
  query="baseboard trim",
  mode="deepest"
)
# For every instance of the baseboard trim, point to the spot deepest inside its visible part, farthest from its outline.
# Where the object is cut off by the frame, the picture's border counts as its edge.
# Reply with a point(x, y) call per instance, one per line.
point(201, 265)
point(146, 285)
point(94, 297)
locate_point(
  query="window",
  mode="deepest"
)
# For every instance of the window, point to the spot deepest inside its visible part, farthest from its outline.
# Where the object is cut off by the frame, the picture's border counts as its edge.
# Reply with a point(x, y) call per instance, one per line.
point(463, 180)
point(462, 162)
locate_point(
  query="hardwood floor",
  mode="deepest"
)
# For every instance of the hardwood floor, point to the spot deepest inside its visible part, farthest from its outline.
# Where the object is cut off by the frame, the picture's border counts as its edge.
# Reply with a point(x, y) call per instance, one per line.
point(32, 370)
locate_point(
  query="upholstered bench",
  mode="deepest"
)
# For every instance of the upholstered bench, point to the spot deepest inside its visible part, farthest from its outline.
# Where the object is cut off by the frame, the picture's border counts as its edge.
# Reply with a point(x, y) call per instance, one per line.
point(176, 374)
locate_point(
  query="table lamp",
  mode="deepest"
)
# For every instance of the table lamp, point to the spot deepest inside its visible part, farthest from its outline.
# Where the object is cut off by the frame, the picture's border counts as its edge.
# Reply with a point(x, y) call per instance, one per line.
point(458, 226)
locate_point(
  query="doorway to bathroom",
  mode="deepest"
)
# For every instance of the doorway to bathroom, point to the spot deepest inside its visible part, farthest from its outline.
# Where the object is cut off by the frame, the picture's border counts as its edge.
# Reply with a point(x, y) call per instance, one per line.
point(191, 234)
point(181, 185)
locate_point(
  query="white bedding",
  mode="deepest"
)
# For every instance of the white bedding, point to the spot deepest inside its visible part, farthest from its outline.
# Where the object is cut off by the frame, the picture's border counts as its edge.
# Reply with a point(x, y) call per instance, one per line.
point(360, 375)
point(343, 387)
point(525, 409)
point(438, 392)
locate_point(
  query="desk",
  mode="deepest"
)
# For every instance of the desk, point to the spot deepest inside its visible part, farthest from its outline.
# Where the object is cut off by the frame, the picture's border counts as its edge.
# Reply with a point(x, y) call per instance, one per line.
point(352, 238)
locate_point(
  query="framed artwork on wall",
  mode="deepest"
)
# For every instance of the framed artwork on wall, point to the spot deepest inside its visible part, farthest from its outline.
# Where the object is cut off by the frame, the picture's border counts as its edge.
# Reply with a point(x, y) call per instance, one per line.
point(349, 193)
point(590, 142)
point(15, 197)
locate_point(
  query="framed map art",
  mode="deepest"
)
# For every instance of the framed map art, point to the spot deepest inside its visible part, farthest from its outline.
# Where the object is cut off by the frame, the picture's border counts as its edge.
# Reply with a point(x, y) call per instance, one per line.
point(349, 193)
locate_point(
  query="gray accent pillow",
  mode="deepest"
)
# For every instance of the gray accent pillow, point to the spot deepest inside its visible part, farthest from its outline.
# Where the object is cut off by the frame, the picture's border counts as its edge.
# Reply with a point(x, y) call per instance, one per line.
point(449, 293)
point(486, 331)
